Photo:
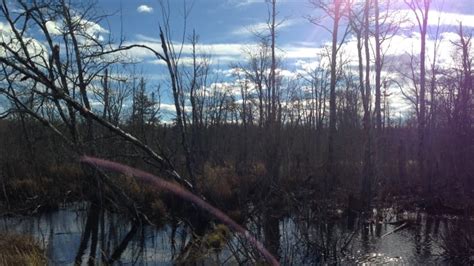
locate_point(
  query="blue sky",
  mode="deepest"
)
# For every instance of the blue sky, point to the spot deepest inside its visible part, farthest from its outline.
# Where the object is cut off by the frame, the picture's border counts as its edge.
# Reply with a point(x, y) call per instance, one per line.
point(224, 24)
point(226, 21)
point(216, 21)
point(223, 27)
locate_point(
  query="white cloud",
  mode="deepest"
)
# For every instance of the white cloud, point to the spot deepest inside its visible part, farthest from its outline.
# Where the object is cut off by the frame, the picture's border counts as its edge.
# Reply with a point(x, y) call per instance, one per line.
point(451, 19)
point(435, 17)
point(226, 52)
point(286, 73)
point(250, 29)
point(5, 31)
point(220, 53)
point(305, 66)
point(297, 52)
point(168, 107)
point(189, 61)
point(36, 49)
point(145, 9)
point(53, 27)
point(86, 26)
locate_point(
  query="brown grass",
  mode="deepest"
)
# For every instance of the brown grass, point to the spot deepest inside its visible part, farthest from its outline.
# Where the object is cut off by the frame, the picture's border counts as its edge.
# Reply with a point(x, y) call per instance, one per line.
point(51, 185)
point(20, 250)
point(149, 200)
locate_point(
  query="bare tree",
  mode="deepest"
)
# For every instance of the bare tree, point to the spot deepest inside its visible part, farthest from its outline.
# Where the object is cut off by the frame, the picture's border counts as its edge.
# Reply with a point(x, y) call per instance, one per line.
point(336, 10)
point(54, 74)
point(463, 106)
point(421, 11)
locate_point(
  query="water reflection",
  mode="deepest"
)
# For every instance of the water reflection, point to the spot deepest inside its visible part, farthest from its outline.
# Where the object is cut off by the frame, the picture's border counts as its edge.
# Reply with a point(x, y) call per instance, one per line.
point(79, 234)
point(74, 235)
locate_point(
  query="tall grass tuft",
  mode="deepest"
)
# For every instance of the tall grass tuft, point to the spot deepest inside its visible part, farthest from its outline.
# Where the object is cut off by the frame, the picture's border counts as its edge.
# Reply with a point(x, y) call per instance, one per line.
point(21, 250)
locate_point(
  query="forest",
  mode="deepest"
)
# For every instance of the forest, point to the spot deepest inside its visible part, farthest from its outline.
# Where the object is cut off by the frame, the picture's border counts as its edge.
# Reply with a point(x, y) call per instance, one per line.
point(252, 163)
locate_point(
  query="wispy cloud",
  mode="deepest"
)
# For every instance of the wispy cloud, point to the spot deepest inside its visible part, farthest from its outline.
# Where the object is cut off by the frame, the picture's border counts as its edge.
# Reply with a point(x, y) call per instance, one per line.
point(262, 27)
point(189, 61)
point(240, 3)
point(298, 52)
point(145, 9)
point(220, 53)
point(243, 3)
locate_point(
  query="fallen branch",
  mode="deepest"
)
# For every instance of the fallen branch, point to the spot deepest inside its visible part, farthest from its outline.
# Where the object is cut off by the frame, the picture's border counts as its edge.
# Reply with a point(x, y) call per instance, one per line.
point(396, 229)
point(184, 194)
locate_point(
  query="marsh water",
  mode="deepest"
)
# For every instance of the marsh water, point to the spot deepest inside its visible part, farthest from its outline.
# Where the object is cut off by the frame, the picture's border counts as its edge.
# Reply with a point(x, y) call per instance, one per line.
point(409, 238)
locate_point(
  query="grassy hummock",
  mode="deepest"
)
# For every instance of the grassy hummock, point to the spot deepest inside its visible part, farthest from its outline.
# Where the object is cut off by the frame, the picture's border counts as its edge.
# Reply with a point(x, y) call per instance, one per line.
point(18, 249)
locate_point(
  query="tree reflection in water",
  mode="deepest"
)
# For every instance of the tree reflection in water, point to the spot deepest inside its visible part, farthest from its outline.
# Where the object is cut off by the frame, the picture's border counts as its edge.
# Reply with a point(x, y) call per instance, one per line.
point(306, 239)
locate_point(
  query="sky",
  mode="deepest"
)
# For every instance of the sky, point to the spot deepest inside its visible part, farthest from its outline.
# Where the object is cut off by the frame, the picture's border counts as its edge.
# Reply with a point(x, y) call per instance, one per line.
point(216, 21)
point(227, 24)
point(225, 28)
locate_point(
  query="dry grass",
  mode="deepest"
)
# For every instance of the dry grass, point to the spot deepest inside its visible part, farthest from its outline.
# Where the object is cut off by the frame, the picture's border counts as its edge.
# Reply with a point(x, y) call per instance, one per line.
point(148, 199)
point(222, 183)
point(51, 185)
point(217, 238)
point(20, 250)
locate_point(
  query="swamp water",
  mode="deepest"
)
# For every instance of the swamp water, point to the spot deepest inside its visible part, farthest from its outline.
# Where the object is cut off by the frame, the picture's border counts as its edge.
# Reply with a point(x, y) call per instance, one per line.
point(415, 239)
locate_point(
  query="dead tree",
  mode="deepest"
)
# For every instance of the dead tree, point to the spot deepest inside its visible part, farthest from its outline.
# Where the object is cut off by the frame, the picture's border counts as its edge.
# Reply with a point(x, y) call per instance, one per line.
point(25, 56)
point(336, 10)
point(421, 10)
